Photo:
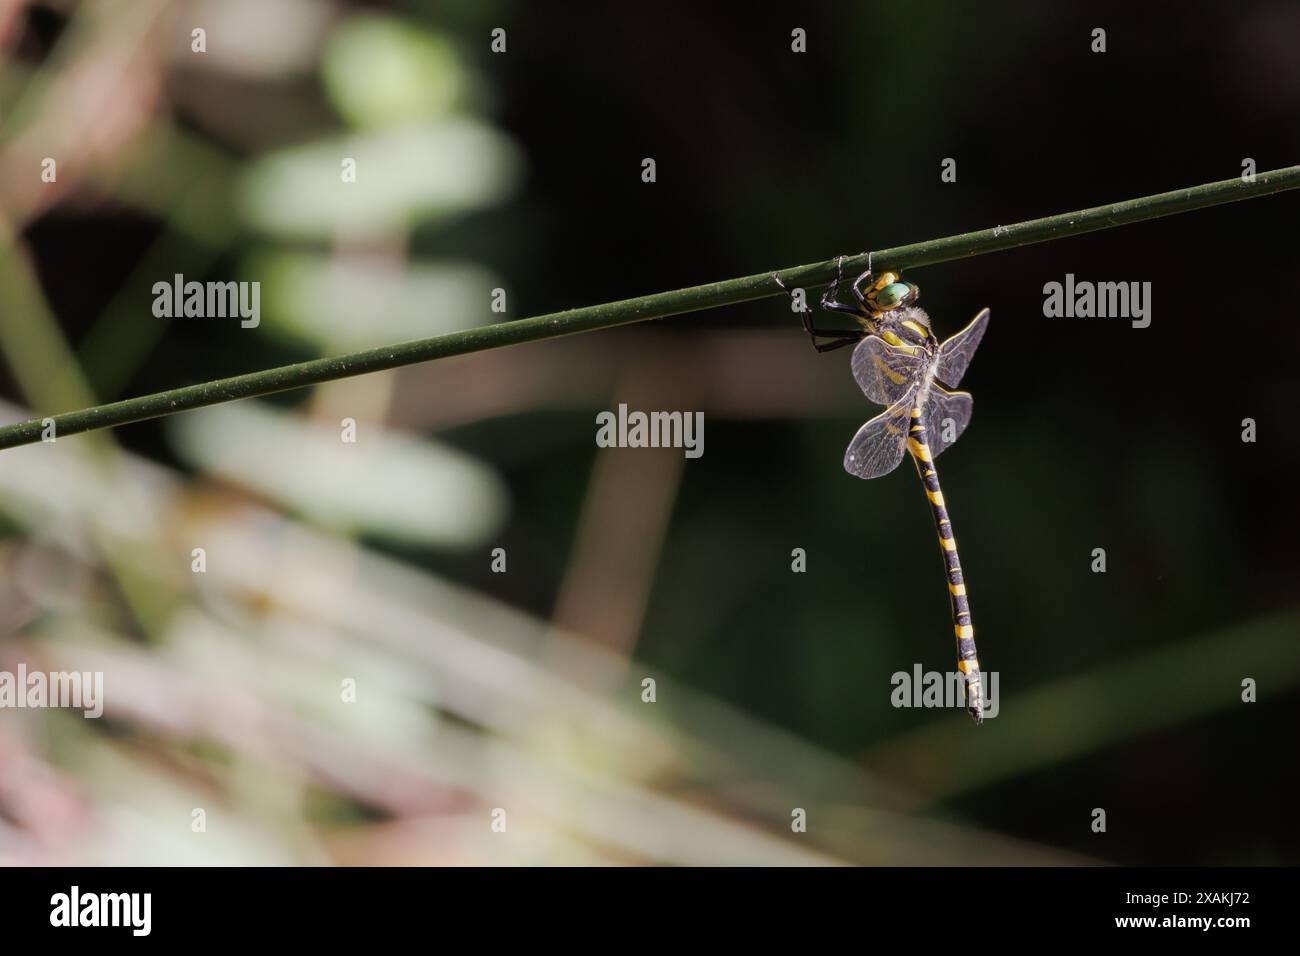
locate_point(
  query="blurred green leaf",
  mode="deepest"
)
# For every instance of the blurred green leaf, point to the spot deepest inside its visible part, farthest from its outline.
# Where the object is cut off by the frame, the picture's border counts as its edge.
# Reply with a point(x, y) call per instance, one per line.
point(386, 484)
point(341, 305)
point(404, 175)
point(381, 71)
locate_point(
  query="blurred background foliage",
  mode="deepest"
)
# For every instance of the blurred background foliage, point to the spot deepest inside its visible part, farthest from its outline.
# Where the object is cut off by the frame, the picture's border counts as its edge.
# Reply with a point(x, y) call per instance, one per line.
point(521, 170)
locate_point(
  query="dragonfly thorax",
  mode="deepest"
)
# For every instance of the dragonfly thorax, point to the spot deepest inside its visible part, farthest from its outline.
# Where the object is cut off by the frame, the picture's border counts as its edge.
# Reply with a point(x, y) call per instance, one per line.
point(906, 327)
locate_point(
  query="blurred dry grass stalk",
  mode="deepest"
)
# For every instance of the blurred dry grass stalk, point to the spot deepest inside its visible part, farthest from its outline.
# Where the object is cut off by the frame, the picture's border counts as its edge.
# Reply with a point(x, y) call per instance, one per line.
point(235, 708)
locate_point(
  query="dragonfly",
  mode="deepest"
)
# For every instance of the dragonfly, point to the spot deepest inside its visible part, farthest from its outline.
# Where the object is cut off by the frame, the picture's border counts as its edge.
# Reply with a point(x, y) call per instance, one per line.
point(898, 362)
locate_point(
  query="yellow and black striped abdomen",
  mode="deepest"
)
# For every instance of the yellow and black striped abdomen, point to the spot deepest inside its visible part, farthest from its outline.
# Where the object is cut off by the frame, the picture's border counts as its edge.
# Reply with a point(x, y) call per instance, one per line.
point(967, 663)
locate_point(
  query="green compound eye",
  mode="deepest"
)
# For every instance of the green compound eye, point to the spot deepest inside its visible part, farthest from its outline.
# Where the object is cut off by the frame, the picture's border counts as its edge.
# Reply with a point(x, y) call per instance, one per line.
point(891, 295)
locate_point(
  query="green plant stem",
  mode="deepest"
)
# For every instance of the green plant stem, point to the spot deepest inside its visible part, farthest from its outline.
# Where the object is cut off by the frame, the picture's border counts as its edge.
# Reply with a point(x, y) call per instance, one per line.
point(640, 309)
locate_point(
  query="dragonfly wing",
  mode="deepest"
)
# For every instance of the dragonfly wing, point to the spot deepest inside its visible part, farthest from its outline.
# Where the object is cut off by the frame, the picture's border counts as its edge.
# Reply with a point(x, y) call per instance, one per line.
point(878, 446)
point(955, 354)
point(885, 373)
point(946, 415)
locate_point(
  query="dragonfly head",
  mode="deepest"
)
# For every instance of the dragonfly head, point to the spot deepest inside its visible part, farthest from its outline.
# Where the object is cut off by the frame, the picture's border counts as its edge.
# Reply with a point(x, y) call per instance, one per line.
point(891, 292)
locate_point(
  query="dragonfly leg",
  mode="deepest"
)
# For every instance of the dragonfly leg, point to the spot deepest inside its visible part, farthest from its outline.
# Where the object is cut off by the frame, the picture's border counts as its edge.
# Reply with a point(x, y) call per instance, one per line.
point(829, 301)
point(839, 337)
point(831, 306)
point(857, 284)
point(837, 342)
point(834, 287)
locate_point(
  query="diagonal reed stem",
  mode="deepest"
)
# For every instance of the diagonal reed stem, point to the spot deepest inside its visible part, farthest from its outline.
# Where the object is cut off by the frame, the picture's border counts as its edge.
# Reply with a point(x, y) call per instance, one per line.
point(642, 308)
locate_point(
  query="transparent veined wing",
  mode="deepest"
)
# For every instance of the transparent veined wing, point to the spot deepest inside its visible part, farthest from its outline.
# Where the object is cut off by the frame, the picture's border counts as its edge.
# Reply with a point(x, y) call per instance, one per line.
point(885, 373)
point(878, 446)
point(954, 355)
point(945, 416)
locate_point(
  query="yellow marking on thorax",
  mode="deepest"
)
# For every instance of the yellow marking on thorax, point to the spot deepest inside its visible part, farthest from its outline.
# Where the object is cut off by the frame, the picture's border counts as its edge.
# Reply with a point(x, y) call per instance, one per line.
point(890, 336)
point(908, 323)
